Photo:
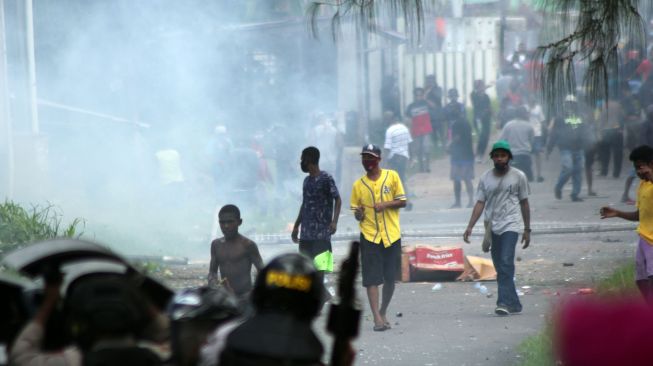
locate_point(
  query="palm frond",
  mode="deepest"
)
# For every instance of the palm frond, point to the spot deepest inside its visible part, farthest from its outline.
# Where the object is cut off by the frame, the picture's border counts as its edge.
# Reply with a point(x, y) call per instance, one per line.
point(366, 14)
point(593, 30)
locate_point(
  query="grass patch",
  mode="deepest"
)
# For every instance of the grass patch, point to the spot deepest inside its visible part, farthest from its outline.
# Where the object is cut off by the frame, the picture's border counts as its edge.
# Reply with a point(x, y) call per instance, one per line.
point(537, 350)
point(619, 282)
point(20, 226)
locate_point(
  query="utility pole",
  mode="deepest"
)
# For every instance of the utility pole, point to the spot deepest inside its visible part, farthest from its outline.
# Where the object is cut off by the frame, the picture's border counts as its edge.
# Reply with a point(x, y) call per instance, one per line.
point(31, 66)
point(503, 9)
point(6, 131)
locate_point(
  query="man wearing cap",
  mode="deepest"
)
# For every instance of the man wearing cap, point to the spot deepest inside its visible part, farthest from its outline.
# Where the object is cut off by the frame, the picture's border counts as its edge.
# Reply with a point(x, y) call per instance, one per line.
point(376, 199)
point(502, 194)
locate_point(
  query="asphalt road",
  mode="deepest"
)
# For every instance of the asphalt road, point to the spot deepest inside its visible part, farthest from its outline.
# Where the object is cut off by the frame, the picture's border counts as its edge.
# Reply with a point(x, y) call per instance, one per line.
point(456, 324)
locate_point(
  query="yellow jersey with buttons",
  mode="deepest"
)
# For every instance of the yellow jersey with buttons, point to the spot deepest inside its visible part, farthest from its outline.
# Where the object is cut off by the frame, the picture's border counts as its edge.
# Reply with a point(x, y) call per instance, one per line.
point(645, 207)
point(379, 227)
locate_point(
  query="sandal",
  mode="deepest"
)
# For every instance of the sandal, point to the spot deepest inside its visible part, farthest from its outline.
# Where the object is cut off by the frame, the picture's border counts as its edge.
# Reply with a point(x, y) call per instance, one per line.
point(380, 328)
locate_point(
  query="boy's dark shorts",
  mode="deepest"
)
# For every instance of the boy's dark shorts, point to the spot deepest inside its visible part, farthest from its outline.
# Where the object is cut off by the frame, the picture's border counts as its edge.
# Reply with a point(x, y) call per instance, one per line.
point(378, 263)
point(313, 248)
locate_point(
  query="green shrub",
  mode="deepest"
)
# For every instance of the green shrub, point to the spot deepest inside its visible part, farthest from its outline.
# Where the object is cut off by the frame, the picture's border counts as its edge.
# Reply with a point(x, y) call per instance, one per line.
point(20, 226)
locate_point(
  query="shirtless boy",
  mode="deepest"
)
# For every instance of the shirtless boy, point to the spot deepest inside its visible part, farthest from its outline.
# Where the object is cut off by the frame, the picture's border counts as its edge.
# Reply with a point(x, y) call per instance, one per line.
point(233, 255)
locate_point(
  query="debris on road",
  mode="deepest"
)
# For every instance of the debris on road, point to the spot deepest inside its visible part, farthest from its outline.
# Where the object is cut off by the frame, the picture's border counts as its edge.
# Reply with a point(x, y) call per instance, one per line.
point(585, 291)
point(478, 269)
point(427, 262)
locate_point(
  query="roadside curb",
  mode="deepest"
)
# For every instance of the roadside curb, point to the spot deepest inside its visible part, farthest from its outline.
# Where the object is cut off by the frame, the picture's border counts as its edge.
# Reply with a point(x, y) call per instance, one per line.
point(454, 231)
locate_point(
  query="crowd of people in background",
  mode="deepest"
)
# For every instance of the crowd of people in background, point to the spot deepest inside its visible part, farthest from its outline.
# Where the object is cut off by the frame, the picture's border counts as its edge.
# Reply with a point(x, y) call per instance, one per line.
point(583, 133)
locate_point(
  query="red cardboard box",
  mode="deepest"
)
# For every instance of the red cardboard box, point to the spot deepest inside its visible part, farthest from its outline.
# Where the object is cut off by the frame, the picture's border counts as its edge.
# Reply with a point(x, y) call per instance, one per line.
point(430, 262)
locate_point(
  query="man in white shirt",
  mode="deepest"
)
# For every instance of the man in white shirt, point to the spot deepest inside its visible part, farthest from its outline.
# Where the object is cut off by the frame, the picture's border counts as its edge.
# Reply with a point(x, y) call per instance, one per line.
point(518, 132)
point(397, 139)
point(538, 122)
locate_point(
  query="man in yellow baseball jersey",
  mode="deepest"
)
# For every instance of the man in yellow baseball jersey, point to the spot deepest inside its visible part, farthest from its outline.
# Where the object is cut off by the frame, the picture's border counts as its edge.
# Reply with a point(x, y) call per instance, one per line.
point(376, 199)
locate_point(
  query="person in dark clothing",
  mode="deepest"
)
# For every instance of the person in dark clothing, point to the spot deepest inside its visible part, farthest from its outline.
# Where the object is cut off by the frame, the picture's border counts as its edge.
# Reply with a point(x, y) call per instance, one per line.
point(433, 96)
point(612, 138)
point(453, 111)
point(646, 139)
point(318, 215)
point(647, 128)
point(511, 101)
point(645, 92)
point(433, 91)
point(105, 316)
point(462, 160)
point(286, 298)
point(390, 95)
point(482, 116)
point(569, 134)
point(632, 125)
point(631, 116)
point(629, 68)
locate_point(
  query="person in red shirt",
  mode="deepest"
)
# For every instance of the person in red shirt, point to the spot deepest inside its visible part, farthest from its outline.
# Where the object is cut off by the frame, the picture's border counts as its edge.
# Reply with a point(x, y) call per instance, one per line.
point(421, 128)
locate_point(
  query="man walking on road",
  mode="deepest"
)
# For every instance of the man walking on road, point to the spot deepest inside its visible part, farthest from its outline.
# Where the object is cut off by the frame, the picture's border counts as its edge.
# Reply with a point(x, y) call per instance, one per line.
point(642, 158)
point(318, 214)
point(502, 195)
point(570, 134)
point(376, 199)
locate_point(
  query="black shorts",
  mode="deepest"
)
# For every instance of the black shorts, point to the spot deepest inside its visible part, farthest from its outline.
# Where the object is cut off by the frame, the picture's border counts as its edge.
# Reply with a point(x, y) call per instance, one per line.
point(378, 263)
point(313, 247)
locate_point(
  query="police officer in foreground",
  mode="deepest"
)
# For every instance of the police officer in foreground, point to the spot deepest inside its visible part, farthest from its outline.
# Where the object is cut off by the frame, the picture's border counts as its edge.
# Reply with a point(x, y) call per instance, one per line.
point(105, 317)
point(286, 299)
point(194, 314)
